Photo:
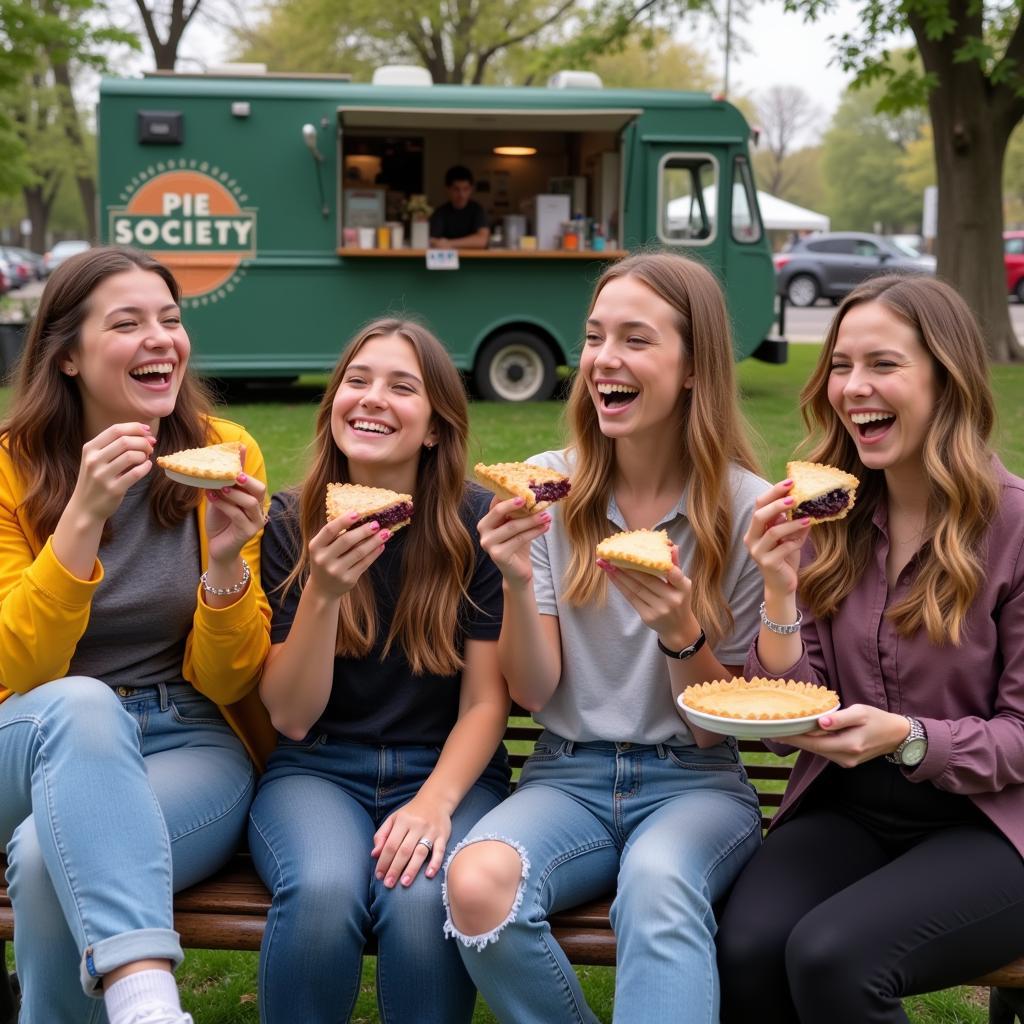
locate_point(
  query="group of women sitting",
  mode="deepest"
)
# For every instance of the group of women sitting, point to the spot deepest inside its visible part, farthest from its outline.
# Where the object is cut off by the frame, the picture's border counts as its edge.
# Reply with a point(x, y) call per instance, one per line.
point(184, 669)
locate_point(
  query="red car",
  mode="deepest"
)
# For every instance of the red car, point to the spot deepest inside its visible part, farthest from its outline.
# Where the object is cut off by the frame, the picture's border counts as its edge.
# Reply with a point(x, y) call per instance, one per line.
point(1013, 259)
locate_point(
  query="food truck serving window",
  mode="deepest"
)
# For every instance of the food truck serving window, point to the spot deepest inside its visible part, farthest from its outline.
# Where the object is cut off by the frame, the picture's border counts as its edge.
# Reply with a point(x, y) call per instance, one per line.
point(687, 198)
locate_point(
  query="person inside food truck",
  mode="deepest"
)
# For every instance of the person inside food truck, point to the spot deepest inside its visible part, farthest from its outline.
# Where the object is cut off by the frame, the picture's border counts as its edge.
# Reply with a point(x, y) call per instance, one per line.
point(461, 223)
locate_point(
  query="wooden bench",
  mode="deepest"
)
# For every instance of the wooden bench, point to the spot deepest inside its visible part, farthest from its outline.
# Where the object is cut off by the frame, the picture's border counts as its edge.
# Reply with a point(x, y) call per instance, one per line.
point(228, 910)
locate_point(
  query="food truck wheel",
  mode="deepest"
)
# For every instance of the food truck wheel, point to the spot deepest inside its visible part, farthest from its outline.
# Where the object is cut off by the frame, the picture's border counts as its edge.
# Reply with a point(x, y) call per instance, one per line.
point(515, 366)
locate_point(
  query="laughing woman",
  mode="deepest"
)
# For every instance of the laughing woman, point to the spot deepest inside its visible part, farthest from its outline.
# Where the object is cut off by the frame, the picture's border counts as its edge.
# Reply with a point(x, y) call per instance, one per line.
point(894, 865)
point(122, 778)
point(619, 793)
point(383, 681)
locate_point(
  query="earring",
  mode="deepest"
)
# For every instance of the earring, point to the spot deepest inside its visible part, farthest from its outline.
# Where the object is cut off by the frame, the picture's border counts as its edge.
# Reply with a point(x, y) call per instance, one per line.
point(429, 445)
point(70, 370)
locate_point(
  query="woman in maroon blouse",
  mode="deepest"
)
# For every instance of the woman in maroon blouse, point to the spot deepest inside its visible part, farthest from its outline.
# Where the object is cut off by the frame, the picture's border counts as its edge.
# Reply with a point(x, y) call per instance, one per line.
point(895, 863)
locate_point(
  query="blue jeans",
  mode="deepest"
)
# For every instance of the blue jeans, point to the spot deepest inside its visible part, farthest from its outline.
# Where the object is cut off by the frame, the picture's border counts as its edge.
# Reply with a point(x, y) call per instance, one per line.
point(311, 831)
point(668, 828)
point(108, 804)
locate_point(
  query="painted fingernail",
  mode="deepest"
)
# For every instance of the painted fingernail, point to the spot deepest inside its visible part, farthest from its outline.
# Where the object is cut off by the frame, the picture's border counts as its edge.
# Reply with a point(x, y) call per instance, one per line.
point(212, 495)
point(385, 534)
point(519, 501)
point(374, 527)
point(788, 501)
point(241, 478)
point(545, 517)
point(787, 483)
point(805, 521)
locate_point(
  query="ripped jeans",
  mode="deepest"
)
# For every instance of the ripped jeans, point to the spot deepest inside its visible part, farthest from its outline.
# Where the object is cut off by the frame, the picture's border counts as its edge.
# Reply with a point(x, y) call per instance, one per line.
point(669, 828)
point(108, 803)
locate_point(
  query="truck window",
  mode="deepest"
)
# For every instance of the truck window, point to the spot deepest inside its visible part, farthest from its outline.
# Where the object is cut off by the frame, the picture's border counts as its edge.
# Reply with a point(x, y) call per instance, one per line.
point(746, 218)
point(688, 198)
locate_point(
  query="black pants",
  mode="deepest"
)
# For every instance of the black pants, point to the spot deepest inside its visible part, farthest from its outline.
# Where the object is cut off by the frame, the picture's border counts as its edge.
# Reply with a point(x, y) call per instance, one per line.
point(876, 889)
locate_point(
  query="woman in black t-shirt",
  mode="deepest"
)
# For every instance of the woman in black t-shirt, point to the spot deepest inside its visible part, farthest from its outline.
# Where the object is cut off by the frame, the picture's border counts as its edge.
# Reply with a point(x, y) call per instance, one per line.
point(383, 682)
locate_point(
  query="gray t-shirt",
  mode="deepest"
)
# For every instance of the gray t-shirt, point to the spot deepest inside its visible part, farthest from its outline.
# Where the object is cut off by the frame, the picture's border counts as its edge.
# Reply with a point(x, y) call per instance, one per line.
point(615, 682)
point(142, 612)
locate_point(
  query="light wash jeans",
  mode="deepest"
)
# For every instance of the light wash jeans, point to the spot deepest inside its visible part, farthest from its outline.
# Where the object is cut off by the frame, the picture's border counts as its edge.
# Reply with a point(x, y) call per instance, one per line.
point(311, 832)
point(669, 828)
point(108, 804)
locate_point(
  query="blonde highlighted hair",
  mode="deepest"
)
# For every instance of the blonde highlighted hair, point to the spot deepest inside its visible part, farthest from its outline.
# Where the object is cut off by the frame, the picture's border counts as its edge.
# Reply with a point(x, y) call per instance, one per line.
point(963, 488)
point(438, 554)
point(711, 439)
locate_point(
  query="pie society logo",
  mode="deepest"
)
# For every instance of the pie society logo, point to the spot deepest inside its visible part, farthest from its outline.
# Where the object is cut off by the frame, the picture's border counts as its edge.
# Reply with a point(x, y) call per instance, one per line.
point(190, 218)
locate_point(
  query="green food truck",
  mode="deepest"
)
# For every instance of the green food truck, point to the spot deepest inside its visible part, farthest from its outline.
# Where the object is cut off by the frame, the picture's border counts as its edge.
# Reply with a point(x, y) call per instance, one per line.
point(292, 209)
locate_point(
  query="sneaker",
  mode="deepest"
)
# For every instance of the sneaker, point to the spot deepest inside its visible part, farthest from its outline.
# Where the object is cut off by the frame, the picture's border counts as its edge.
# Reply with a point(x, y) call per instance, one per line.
point(158, 1013)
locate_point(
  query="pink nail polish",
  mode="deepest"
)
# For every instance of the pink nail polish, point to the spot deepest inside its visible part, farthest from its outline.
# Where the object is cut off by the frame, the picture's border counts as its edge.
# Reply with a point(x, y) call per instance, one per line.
point(374, 527)
point(385, 534)
point(787, 483)
point(241, 478)
point(788, 501)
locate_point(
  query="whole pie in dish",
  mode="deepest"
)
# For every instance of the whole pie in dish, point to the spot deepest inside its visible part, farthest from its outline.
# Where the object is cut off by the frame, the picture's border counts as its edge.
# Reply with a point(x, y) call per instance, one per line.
point(538, 486)
point(640, 550)
point(378, 504)
point(820, 492)
point(214, 466)
point(760, 699)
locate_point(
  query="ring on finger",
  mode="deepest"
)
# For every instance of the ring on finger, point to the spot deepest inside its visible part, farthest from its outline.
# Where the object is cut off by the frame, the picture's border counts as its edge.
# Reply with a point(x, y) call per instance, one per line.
point(425, 842)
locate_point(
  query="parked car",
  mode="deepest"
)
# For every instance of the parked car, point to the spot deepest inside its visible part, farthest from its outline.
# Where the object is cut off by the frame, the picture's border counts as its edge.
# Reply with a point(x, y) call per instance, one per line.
point(1013, 260)
point(33, 259)
point(20, 270)
point(828, 265)
point(5, 281)
point(61, 251)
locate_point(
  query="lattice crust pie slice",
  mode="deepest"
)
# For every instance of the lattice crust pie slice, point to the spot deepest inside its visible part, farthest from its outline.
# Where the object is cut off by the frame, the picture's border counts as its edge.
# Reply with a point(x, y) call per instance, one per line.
point(538, 486)
point(760, 699)
point(821, 492)
point(389, 508)
point(214, 466)
point(640, 550)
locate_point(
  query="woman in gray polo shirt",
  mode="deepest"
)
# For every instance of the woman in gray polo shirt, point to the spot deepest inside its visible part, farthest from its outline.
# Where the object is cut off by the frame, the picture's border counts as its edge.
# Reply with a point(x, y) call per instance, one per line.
point(620, 793)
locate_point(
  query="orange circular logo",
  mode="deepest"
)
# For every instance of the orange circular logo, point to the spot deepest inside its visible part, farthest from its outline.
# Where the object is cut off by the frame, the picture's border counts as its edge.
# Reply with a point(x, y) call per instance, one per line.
point(190, 221)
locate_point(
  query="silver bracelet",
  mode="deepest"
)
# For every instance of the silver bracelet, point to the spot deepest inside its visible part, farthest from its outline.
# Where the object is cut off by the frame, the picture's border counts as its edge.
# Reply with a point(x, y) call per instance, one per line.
point(778, 627)
point(227, 591)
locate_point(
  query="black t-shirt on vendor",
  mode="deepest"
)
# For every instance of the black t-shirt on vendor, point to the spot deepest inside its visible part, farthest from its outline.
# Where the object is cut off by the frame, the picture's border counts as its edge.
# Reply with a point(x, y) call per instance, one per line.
point(375, 700)
point(447, 222)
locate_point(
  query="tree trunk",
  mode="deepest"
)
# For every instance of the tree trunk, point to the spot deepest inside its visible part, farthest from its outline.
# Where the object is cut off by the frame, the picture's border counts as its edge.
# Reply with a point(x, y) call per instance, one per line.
point(85, 180)
point(971, 123)
point(37, 207)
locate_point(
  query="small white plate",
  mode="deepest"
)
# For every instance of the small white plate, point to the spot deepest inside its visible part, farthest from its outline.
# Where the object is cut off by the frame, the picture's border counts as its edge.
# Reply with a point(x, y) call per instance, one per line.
point(199, 481)
point(753, 728)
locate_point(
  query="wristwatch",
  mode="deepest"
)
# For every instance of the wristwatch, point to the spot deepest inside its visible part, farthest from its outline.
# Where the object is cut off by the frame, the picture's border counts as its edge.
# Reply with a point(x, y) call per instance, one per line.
point(911, 751)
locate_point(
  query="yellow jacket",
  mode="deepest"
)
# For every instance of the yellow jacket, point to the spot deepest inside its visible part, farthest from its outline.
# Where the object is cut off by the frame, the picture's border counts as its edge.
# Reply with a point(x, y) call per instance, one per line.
point(44, 611)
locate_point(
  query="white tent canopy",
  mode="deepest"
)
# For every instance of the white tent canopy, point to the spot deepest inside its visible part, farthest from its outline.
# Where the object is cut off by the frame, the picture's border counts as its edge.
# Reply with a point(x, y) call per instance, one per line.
point(776, 214)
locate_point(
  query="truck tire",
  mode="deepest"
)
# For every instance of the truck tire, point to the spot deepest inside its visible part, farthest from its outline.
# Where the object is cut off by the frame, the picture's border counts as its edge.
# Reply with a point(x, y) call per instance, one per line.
point(515, 366)
point(802, 290)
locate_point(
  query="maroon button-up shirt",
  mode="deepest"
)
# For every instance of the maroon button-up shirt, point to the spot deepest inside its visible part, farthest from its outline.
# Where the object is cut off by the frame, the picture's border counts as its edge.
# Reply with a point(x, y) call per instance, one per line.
point(970, 698)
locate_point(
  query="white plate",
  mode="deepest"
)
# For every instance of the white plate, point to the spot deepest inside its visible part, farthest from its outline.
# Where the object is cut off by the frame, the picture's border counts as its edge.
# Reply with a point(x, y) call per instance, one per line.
point(199, 481)
point(753, 729)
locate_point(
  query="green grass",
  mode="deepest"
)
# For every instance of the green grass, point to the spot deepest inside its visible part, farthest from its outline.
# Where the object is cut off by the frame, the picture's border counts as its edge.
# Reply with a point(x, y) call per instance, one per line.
point(220, 987)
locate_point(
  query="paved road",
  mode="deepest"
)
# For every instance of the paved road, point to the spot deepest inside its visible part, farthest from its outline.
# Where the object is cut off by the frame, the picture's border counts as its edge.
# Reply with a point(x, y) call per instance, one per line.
point(810, 324)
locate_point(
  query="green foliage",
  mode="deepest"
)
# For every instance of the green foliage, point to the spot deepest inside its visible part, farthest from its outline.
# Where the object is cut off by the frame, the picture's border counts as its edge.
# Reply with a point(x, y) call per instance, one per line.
point(654, 60)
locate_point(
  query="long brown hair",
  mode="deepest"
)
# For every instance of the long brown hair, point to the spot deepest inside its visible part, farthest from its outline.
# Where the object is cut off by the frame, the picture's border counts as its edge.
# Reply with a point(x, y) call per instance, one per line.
point(711, 440)
point(964, 491)
point(44, 428)
point(438, 555)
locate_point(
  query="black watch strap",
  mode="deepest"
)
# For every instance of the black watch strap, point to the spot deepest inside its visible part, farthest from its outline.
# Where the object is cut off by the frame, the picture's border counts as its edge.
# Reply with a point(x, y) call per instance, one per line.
point(686, 652)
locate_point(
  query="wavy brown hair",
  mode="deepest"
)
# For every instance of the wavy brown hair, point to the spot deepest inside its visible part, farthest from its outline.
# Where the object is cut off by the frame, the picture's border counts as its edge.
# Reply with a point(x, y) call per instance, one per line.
point(711, 438)
point(438, 556)
point(44, 428)
point(964, 490)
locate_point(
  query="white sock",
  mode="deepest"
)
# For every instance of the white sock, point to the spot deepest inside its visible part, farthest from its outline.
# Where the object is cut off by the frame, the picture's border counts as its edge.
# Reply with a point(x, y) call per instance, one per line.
point(124, 996)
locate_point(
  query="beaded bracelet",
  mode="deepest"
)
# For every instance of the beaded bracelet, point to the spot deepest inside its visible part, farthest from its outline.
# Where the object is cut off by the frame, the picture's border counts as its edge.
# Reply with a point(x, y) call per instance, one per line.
point(227, 591)
point(777, 627)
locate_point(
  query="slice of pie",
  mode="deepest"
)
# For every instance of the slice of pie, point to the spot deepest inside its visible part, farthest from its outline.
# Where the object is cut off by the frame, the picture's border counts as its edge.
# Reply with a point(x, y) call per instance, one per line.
point(538, 486)
point(641, 550)
point(214, 466)
point(374, 504)
point(819, 491)
point(760, 699)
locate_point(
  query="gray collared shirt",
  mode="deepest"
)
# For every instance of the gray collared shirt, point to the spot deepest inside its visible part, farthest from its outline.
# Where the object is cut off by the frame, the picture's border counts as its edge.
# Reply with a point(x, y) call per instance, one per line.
point(615, 682)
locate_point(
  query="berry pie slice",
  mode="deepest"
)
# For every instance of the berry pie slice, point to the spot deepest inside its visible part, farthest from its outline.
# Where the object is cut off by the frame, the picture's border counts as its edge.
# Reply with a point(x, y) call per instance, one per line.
point(821, 492)
point(640, 550)
point(538, 486)
point(374, 504)
point(214, 466)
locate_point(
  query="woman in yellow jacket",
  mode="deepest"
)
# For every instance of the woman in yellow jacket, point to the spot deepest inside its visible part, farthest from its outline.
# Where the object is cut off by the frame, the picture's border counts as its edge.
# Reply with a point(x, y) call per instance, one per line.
point(132, 631)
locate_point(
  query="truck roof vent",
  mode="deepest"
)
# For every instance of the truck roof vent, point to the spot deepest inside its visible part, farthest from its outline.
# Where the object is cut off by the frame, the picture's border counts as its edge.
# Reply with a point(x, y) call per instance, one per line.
point(402, 74)
point(575, 80)
point(232, 69)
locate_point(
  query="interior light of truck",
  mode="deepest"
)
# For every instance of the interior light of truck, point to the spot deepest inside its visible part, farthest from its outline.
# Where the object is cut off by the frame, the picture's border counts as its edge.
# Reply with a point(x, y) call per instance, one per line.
point(515, 150)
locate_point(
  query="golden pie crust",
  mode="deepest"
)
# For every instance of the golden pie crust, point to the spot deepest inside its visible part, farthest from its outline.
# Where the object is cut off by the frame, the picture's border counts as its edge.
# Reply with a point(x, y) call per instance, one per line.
point(368, 502)
point(640, 550)
point(216, 465)
point(513, 479)
point(759, 699)
point(816, 479)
